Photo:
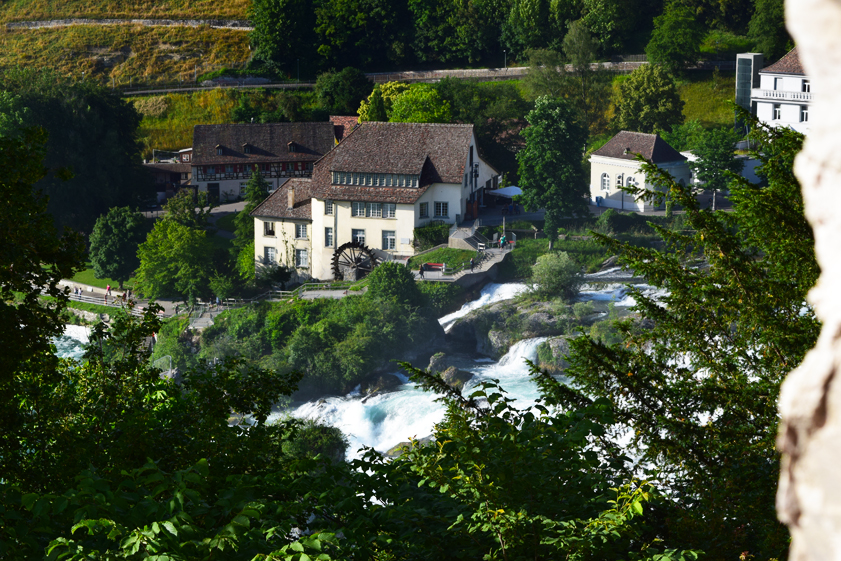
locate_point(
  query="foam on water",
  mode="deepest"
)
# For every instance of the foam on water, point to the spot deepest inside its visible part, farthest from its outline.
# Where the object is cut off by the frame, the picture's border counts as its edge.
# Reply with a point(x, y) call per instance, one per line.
point(385, 420)
point(490, 294)
point(70, 344)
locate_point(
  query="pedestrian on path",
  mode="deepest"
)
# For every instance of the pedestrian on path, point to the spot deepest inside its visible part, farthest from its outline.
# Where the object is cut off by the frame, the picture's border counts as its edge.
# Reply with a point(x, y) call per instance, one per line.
point(421, 270)
point(471, 264)
point(108, 290)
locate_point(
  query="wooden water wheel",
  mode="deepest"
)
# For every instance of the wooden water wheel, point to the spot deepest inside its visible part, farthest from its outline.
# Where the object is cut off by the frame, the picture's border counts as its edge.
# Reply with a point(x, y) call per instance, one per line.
point(352, 261)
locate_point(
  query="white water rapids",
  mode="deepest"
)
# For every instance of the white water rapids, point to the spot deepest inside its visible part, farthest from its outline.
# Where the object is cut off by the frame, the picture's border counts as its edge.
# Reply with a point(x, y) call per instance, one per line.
point(385, 420)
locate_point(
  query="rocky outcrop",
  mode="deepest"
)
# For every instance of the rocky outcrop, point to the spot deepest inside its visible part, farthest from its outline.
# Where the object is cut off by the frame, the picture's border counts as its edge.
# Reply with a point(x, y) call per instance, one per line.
point(378, 383)
point(396, 451)
point(558, 350)
point(492, 330)
point(455, 377)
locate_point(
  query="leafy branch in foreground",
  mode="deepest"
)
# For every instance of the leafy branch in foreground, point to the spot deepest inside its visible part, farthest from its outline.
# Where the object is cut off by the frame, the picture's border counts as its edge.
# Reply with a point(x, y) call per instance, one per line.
point(696, 382)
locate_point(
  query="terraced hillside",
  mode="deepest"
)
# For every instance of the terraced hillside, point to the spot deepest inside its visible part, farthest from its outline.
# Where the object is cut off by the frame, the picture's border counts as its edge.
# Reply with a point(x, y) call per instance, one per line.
point(26, 10)
point(123, 53)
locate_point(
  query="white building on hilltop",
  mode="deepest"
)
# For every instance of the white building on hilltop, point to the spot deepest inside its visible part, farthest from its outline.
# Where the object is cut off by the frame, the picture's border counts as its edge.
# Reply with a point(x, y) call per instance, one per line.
point(780, 94)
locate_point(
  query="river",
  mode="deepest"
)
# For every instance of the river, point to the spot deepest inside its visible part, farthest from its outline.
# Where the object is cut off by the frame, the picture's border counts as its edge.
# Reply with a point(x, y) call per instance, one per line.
point(385, 420)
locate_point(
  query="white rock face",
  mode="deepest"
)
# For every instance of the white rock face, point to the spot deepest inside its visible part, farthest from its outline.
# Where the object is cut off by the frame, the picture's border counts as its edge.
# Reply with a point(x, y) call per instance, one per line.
point(809, 495)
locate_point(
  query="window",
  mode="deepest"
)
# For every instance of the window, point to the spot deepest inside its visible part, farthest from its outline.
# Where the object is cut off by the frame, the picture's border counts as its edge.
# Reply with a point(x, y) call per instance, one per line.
point(328, 208)
point(619, 180)
point(389, 210)
point(605, 182)
point(269, 255)
point(357, 209)
point(804, 114)
point(358, 236)
point(268, 228)
point(219, 150)
point(265, 167)
point(778, 83)
point(442, 210)
point(229, 168)
point(300, 231)
point(374, 210)
point(424, 210)
point(328, 237)
point(246, 148)
point(630, 181)
point(777, 112)
point(301, 258)
point(291, 147)
point(806, 86)
point(389, 240)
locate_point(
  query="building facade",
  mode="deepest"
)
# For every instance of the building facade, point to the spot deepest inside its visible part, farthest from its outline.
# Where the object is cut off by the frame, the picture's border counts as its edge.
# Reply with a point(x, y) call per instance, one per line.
point(780, 94)
point(225, 156)
point(614, 166)
point(379, 184)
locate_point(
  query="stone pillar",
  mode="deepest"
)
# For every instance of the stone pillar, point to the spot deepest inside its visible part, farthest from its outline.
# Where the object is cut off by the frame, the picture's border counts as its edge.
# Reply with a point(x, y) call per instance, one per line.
point(809, 495)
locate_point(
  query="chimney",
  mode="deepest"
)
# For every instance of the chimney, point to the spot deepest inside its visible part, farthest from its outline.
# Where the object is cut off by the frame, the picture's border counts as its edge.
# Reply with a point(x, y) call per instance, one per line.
point(291, 193)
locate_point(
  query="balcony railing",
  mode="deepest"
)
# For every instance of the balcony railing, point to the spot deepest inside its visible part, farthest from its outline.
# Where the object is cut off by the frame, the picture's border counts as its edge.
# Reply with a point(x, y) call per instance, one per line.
point(782, 95)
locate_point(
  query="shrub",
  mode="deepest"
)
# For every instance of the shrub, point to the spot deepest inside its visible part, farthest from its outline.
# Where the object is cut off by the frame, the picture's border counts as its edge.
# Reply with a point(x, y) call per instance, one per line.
point(434, 233)
point(441, 297)
point(556, 274)
point(393, 281)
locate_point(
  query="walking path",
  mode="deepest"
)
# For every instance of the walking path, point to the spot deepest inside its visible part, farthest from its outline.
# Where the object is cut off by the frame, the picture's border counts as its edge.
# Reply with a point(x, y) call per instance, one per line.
point(238, 24)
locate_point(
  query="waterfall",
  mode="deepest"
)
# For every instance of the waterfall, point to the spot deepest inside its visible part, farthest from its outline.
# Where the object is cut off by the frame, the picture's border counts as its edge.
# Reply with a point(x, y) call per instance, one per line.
point(490, 294)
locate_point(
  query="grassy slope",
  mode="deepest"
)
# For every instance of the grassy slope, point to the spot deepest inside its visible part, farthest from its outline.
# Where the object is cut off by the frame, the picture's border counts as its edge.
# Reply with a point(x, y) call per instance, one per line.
point(88, 277)
point(168, 121)
point(452, 257)
point(708, 99)
point(23, 10)
point(121, 52)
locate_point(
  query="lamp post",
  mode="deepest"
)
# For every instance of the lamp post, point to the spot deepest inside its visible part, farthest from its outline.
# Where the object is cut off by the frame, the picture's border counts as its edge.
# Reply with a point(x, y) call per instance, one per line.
point(504, 52)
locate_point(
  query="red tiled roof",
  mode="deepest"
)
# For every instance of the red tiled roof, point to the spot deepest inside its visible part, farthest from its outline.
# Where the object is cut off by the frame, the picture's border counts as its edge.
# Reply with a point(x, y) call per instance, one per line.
point(268, 142)
point(789, 64)
point(626, 145)
point(343, 125)
point(276, 205)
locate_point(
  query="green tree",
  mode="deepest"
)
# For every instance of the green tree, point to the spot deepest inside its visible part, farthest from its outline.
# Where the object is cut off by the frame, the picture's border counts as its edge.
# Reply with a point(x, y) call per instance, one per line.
point(373, 109)
point(733, 313)
point(393, 281)
point(174, 261)
point(534, 24)
point(590, 88)
point(556, 274)
point(366, 34)
point(340, 92)
point(551, 175)
point(676, 39)
point(189, 211)
point(648, 101)
point(13, 114)
point(31, 256)
point(113, 244)
point(82, 118)
point(684, 137)
point(282, 35)
point(420, 104)
point(768, 29)
point(611, 21)
point(388, 92)
point(716, 151)
point(546, 75)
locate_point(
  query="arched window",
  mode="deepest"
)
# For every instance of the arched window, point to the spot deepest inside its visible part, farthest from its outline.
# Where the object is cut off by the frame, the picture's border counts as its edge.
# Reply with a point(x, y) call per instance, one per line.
point(630, 181)
point(605, 182)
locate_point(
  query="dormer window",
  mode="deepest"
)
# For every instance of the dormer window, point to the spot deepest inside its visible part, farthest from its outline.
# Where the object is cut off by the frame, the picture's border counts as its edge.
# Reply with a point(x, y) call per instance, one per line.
point(246, 148)
point(219, 150)
point(292, 147)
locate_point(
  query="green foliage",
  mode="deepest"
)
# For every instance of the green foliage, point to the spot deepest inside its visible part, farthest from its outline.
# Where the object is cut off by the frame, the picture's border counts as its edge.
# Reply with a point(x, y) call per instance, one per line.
point(362, 33)
point(256, 191)
point(724, 45)
point(420, 104)
point(114, 241)
point(442, 298)
point(387, 93)
point(392, 281)
point(555, 274)
point(551, 175)
point(282, 36)
point(13, 114)
point(81, 119)
point(546, 75)
point(457, 31)
point(341, 92)
point(434, 233)
point(676, 39)
point(684, 137)
point(31, 256)
point(734, 315)
point(717, 159)
point(648, 101)
point(174, 261)
point(768, 29)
